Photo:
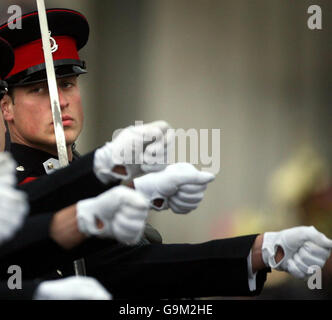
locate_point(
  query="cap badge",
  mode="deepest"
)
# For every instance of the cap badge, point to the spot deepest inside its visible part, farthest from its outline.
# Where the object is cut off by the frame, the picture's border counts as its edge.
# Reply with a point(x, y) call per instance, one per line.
point(54, 45)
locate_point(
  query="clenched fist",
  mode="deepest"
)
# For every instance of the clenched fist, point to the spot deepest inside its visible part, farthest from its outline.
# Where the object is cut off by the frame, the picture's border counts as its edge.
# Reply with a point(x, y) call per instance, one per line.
point(303, 247)
point(180, 186)
point(137, 150)
point(118, 213)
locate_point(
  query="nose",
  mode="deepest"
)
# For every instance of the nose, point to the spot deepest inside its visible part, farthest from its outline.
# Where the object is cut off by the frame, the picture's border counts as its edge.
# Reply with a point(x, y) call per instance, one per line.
point(64, 102)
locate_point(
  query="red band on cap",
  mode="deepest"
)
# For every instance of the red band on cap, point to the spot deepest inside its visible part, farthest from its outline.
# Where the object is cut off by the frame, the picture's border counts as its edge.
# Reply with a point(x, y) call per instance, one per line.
point(32, 54)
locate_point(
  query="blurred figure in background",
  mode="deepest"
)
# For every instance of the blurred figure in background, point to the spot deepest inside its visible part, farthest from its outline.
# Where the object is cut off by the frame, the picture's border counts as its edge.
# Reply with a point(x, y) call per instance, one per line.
point(302, 189)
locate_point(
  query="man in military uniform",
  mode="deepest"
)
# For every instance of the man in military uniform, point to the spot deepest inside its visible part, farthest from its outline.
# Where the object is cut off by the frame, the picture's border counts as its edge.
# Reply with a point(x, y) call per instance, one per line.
point(236, 266)
point(13, 209)
point(35, 233)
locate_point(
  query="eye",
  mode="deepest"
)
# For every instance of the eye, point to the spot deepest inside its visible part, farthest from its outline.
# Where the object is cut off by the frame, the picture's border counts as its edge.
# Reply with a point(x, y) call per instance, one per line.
point(37, 89)
point(67, 84)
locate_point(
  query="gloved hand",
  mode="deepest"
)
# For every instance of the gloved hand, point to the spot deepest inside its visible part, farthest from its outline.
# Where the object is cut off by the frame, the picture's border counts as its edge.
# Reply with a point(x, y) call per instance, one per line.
point(136, 148)
point(13, 204)
point(7, 169)
point(303, 247)
point(180, 186)
point(121, 210)
point(72, 288)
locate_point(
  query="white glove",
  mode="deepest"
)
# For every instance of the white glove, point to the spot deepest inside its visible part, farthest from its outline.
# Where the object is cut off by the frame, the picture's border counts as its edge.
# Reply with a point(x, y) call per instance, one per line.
point(13, 203)
point(122, 211)
point(7, 169)
point(138, 149)
point(72, 288)
point(180, 186)
point(303, 247)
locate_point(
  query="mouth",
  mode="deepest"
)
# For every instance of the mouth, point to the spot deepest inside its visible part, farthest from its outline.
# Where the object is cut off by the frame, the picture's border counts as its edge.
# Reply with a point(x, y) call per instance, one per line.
point(66, 121)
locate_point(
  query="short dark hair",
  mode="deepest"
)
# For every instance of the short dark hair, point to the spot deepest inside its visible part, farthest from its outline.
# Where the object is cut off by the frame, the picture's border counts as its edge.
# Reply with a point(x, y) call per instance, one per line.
point(3, 88)
point(10, 92)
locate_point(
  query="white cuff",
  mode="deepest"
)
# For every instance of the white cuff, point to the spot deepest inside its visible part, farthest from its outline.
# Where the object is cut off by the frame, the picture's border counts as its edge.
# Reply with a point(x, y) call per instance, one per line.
point(251, 275)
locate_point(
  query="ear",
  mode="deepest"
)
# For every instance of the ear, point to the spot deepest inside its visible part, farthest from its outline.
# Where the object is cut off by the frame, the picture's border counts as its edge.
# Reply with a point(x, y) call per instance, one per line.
point(7, 108)
point(2, 126)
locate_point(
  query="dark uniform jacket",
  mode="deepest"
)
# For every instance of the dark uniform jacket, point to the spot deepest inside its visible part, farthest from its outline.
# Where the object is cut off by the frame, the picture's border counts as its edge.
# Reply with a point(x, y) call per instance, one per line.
point(26, 293)
point(146, 270)
point(47, 195)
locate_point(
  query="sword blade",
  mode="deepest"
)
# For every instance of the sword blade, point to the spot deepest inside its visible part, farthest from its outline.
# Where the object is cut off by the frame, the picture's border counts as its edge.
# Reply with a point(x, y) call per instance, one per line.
point(52, 85)
point(79, 265)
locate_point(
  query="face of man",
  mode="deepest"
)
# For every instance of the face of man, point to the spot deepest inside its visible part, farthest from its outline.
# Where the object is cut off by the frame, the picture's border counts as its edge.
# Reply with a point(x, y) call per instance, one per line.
point(29, 115)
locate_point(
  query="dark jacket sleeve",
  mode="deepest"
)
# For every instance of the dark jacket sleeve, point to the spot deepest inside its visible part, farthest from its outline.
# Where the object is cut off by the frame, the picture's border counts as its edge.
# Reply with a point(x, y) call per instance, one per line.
point(37, 253)
point(32, 248)
point(214, 268)
point(65, 186)
point(26, 293)
point(157, 271)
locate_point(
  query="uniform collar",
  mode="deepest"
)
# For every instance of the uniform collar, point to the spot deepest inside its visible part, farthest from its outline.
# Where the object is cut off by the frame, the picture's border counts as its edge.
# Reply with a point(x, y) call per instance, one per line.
point(31, 159)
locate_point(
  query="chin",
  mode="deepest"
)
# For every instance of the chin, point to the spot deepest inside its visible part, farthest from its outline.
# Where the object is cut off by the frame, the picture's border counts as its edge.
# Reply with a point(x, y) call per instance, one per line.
point(70, 139)
point(71, 135)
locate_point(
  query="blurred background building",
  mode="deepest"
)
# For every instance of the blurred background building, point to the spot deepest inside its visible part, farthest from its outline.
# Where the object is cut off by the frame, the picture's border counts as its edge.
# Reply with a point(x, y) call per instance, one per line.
point(251, 68)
